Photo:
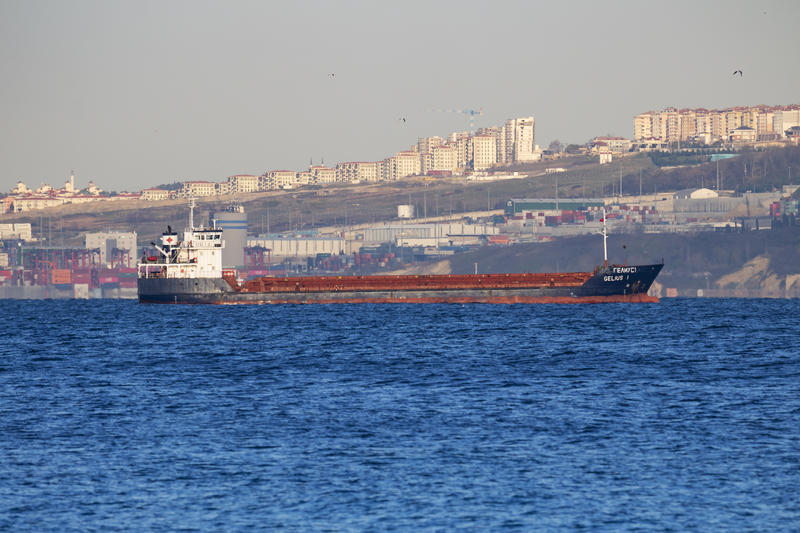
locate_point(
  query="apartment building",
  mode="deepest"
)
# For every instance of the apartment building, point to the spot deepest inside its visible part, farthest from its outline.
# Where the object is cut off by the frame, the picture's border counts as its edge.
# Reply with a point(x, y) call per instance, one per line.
point(401, 165)
point(517, 143)
point(320, 174)
point(642, 126)
point(242, 183)
point(498, 134)
point(194, 189)
point(785, 119)
point(462, 142)
point(153, 195)
point(367, 171)
point(744, 134)
point(443, 157)
point(484, 153)
point(425, 163)
point(356, 171)
point(277, 179)
point(612, 144)
point(30, 202)
point(505, 145)
point(425, 145)
point(21, 231)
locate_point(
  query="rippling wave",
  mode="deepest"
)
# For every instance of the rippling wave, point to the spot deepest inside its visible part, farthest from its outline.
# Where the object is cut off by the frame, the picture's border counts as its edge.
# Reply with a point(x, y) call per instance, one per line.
point(681, 415)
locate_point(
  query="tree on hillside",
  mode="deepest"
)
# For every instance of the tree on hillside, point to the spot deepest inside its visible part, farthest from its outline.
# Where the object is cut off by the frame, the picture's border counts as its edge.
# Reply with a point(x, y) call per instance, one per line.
point(174, 186)
point(556, 146)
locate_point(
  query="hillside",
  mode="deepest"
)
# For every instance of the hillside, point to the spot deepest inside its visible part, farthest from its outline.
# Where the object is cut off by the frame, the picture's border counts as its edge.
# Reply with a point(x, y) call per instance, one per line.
point(338, 204)
point(708, 261)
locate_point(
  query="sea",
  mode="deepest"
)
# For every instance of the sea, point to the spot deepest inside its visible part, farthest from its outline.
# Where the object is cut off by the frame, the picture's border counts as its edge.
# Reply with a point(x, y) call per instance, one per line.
point(677, 416)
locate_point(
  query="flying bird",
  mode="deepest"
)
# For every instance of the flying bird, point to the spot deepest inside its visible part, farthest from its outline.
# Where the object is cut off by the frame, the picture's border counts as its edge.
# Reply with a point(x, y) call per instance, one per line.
point(739, 72)
point(331, 75)
point(402, 118)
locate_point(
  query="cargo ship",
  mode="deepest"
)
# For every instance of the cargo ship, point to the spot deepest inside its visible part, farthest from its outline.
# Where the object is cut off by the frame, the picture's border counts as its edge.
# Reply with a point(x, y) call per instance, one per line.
point(189, 271)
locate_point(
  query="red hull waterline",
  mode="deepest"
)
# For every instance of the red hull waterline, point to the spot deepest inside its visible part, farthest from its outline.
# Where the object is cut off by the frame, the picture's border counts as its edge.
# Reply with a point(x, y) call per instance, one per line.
point(630, 298)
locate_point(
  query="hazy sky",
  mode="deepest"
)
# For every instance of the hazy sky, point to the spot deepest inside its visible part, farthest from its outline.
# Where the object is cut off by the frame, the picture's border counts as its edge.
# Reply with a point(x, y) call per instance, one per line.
point(132, 94)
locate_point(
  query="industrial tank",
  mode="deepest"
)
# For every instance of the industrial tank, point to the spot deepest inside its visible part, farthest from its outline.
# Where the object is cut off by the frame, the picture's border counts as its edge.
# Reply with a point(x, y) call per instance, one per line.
point(405, 211)
point(233, 221)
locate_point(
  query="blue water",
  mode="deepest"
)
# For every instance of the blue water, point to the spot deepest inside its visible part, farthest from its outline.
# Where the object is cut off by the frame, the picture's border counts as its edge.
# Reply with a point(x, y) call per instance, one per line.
point(683, 415)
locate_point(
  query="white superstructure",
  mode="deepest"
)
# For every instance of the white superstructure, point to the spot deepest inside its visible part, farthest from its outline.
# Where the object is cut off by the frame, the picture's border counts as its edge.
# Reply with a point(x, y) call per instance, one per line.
point(198, 255)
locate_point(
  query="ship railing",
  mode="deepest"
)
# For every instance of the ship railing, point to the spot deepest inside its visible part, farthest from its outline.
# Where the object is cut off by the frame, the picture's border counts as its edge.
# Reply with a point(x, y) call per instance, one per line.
point(152, 270)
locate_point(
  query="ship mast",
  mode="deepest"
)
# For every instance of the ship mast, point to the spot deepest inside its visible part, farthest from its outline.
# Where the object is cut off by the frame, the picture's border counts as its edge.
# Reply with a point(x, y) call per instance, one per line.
point(605, 240)
point(191, 214)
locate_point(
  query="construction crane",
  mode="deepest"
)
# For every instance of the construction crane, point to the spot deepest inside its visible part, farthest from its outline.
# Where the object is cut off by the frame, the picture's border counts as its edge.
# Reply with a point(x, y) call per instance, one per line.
point(469, 115)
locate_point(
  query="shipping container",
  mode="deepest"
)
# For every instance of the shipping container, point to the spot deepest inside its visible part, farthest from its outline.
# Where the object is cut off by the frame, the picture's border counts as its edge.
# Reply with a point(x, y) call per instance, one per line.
point(498, 239)
point(81, 277)
point(128, 283)
point(60, 276)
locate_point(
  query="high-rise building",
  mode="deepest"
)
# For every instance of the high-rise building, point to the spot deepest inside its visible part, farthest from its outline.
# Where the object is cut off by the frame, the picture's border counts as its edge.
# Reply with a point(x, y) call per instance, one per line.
point(401, 165)
point(462, 142)
point(425, 145)
point(520, 140)
point(484, 153)
point(444, 158)
point(785, 119)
